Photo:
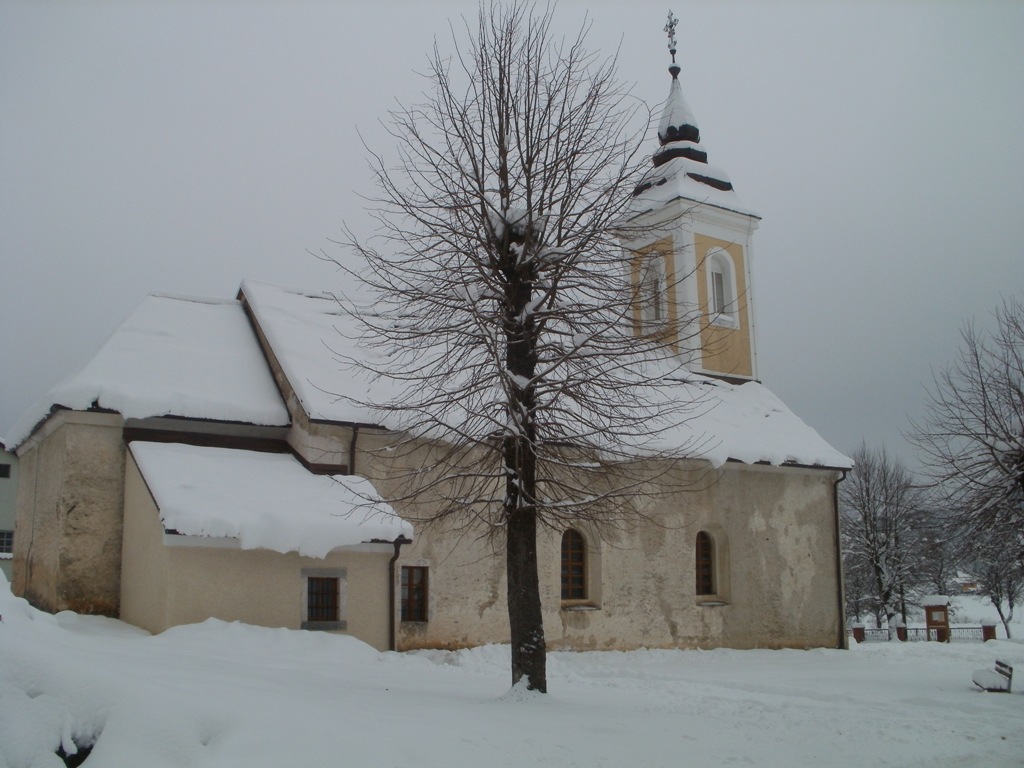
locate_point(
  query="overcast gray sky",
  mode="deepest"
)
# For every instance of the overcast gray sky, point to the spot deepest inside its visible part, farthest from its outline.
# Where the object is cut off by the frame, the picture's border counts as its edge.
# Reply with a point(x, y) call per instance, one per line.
point(184, 147)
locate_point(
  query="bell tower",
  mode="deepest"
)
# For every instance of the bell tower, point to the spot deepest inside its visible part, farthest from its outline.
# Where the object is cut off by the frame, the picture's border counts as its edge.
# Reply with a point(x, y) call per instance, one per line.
point(691, 249)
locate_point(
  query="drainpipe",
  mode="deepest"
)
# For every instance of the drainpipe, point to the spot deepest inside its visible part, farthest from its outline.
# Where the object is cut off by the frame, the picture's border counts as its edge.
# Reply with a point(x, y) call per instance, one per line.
point(397, 543)
point(352, 450)
point(392, 629)
point(843, 643)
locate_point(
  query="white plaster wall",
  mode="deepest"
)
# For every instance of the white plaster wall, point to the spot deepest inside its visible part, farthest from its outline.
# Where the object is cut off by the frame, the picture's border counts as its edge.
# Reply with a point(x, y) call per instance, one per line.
point(170, 580)
point(266, 588)
point(779, 583)
point(144, 561)
point(774, 529)
point(778, 579)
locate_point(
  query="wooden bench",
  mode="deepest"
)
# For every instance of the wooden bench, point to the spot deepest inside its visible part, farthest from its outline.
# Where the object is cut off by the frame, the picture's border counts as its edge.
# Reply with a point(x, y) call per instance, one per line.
point(996, 680)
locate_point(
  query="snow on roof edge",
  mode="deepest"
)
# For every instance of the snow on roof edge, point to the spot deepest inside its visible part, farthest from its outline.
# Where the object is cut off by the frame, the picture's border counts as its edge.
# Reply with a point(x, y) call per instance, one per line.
point(264, 500)
point(745, 421)
point(172, 355)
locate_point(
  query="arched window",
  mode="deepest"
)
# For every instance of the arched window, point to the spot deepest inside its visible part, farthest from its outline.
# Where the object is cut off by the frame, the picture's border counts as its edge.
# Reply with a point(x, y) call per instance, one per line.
point(653, 293)
point(705, 564)
point(721, 287)
point(574, 566)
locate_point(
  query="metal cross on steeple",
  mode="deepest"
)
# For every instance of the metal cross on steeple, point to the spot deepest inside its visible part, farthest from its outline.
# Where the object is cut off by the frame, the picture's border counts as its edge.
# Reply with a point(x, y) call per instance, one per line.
point(670, 30)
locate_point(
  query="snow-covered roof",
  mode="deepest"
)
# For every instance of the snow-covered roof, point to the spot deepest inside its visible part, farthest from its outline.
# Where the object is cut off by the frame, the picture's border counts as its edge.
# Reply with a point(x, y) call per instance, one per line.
point(265, 500)
point(201, 359)
point(307, 332)
point(174, 356)
point(748, 423)
point(313, 339)
point(680, 178)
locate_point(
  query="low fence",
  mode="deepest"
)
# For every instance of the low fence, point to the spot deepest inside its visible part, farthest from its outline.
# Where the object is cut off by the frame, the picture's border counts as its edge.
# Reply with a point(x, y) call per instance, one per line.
point(920, 634)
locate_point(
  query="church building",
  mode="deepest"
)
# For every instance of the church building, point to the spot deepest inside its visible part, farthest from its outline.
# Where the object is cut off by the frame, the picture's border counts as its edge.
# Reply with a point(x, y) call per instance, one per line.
point(209, 462)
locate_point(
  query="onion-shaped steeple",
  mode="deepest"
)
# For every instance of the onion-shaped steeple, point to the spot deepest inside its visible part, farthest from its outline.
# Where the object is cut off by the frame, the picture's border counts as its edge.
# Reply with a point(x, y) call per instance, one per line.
point(679, 137)
point(677, 121)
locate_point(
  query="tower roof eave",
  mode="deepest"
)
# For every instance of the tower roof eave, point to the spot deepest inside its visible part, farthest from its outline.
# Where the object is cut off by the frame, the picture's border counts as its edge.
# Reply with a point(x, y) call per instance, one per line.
point(681, 178)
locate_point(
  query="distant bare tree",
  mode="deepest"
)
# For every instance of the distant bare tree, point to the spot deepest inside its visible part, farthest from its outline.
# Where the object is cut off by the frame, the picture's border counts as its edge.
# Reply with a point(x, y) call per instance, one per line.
point(973, 438)
point(858, 584)
point(502, 306)
point(940, 554)
point(1000, 573)
point(880, 511)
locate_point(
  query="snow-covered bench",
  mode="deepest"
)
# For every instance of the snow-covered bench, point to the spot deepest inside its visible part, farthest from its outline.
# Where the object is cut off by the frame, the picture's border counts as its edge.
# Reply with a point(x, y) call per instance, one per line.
point(996, 680)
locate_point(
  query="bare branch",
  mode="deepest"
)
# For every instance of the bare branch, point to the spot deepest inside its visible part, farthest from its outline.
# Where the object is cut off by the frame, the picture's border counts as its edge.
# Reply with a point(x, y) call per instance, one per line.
point(973, 437)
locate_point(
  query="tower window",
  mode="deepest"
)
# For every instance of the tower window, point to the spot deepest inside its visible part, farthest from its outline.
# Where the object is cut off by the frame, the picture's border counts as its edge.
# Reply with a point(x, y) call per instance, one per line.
point(721, 284)
point(653, 292)
point(717, 292)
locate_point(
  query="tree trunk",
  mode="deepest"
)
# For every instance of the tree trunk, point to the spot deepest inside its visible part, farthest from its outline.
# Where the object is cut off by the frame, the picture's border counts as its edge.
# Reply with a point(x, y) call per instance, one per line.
point(526, 623)
point(890, 618)
point(1003, 617)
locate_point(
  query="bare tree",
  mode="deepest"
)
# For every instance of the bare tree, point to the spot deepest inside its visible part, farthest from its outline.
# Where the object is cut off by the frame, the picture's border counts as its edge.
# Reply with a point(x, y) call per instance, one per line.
point(858, 584)
point(502, 308)
point(1000, 573)
point(940, 554)
point(880, 510)
point(973, 438)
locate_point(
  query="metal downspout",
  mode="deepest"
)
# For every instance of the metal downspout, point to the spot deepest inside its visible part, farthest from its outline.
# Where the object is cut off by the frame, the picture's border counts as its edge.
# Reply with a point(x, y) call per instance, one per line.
point(392, 629)
point(840, 592)
point(352, 450)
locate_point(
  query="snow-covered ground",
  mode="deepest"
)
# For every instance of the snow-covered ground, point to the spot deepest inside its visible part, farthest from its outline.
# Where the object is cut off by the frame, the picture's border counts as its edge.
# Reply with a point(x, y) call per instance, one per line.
point(218, 694)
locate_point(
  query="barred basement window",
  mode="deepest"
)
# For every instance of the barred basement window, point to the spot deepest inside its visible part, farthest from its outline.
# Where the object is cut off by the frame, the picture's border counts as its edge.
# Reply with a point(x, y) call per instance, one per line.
point(6, 542)
point(326, 597)
point(705, 564)
point(414, 593)
point(322, 599)
point(574, 566)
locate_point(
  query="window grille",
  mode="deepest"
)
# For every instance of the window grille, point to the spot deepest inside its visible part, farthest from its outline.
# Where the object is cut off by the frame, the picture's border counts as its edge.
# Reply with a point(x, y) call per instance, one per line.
point(414, 593)
point(322, 602)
